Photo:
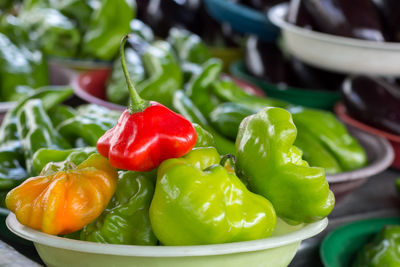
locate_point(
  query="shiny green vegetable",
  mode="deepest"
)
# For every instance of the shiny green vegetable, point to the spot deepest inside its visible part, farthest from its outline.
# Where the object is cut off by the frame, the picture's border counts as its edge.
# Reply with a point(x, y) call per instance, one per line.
point(326, 129)
point(12, 171)
point(61, 113)
point(36, 131)
point(186, 107)
point(204, 138)
point(107, 24)
point(126, 220)
point(274, 168)
point(383, 250)
point(142, 30)
point(46, 155)
point(197, 201)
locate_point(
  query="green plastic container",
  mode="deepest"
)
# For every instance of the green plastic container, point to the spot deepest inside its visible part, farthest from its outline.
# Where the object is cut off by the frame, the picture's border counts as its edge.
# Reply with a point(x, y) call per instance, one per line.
point(309, 98)
point(340, 247)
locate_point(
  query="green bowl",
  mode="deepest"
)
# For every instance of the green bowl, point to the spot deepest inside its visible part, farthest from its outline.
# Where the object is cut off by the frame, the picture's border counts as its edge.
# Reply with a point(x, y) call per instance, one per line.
point(340, 247)
point(275, 251)
point(309, 98)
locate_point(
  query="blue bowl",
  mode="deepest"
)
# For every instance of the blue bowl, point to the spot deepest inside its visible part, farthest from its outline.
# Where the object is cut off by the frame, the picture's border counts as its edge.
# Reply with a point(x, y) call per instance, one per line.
point(243, 19)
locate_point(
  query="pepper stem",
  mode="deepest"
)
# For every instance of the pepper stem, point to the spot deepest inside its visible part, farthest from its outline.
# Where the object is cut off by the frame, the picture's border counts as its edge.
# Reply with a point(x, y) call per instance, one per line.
point(137, 103)
point(227, 157)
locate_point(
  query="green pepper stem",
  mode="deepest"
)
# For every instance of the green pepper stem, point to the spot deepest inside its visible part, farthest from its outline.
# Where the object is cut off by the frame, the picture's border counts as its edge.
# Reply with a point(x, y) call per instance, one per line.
point(227, 157)
point(137, 103)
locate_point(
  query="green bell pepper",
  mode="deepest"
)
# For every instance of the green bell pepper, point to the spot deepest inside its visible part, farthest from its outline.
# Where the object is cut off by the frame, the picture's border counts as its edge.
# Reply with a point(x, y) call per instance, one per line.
point(126, 220)
point(142, 30)
point(98, 112)
point(36, 131)
point(227, 117)
point(186, 107)
point(165, 75)
point(45, 155)
point(383, 250)
point(199, 85)
point(107, 24)
point(77, 10)
point(117, 91)
point(204, 138)
point(332, 134)
point(274, 168)
point(197, 202)
point(61, 113)
point(12, 171)
point(316, 154)
point(229, 91)
point(188, 46)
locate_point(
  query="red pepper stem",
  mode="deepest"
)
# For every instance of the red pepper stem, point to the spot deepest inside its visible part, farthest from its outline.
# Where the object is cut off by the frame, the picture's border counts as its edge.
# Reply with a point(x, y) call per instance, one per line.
point(137, 103)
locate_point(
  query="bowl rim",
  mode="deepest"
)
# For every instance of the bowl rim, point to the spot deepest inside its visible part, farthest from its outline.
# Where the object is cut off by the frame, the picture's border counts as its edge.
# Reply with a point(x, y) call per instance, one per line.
point(277, 16)
point(35, 236)
point(381, 164)
point(357, 228)
point(341, 112)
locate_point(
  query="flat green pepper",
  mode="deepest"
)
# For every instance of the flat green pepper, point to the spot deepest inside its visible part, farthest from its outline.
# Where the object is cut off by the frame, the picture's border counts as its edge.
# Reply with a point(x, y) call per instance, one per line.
point(12, 172)
point(199, 85)
point(117, 91)
point(185, 106)
point(197, 202)
point(188, 46)
point(36, 131)
point(274, 168)
point(108, 23)
point(229, 91)
point(383, 250)
point(226, 118)
point(165, 75)
point(45, 155)
point(332, 134)
point(126, 220)
point(316, 154)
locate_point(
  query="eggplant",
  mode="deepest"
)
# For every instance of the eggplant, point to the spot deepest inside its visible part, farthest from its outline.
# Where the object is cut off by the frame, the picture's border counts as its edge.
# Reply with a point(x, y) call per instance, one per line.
point(373, 101)
point(349, 18)
point(298, 15)
point(261, 5)
point(390, 13)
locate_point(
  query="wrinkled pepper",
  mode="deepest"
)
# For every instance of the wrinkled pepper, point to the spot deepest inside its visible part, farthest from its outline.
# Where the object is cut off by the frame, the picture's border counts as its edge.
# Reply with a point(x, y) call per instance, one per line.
point(383, 250)
point(12, 171)
point(107, 24)
point(162, 132)
point(126, 219)
point(332, 134)
point(36, 131)
point(46, 155)
point(197, 202)
point(186, 107)
point(273, 167)
point(62, 201)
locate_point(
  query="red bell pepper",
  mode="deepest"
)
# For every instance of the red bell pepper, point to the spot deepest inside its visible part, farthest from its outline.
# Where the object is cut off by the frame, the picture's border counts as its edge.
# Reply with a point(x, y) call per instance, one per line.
point(146, 134)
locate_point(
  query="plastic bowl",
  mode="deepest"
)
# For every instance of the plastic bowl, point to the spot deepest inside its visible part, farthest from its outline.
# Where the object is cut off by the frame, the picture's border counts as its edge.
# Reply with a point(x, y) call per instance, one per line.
point(336, 53)
point(243, 19)
point(276, 251)
point(339, 248)
point(394, 140)
point(305, 97)
point(90, 86)
point(380, 157)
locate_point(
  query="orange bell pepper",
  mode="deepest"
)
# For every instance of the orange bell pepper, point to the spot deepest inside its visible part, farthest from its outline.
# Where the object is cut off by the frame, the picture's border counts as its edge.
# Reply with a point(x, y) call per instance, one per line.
point(62, 202)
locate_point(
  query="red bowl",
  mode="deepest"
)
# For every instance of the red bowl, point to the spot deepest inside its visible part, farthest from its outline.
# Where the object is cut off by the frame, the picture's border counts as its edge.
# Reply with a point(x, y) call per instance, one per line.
point(91, 87)
point(340, 110)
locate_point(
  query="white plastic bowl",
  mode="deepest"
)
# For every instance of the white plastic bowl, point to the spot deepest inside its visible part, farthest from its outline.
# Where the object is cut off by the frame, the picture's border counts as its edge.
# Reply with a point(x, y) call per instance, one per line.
point(336, 53)
point(274, 251)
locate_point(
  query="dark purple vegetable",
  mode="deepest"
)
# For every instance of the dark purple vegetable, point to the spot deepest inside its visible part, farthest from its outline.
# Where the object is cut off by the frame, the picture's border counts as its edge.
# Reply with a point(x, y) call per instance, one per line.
point(298, 14)
point(349, 18)
point(373, 101)
point(390, 13)
point(261, 5)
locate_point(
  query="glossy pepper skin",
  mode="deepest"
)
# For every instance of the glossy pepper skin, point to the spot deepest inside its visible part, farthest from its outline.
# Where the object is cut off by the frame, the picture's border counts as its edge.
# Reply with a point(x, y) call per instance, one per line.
point(106, 26)
point(46, 155)
point(198, 202)
point(149, 125)
point(36, 131)
point(12, 171)
point(383, 250)
point(61, 113)
point(64, 201)
point(332, 134)
point(184, 105)
point(274, 168)
point(204, 138)
point(126, 219)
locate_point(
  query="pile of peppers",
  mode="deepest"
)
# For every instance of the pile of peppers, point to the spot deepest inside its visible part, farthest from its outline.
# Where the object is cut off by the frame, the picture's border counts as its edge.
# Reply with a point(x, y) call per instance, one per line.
point(173, 186)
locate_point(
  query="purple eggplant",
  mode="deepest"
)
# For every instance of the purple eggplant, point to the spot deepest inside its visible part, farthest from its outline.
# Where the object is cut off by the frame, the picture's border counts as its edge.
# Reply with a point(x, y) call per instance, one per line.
point(390, 13)
point(373, 101)
point(350, 18)
point(261, 5)
point(298, 15)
